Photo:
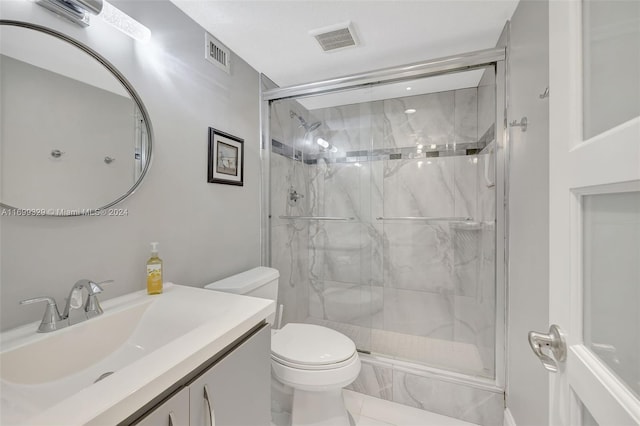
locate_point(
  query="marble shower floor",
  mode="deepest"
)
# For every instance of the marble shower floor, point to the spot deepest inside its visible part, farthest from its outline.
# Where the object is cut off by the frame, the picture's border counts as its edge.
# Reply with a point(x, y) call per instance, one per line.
point(457, 356)
point(369, 411)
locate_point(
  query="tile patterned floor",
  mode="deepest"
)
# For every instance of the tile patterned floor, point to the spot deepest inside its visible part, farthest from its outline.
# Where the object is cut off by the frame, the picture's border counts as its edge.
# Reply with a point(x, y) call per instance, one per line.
point(370, 411)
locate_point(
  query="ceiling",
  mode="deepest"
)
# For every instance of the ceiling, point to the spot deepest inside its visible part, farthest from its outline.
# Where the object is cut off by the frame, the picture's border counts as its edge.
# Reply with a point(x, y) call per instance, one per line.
point(273, 36)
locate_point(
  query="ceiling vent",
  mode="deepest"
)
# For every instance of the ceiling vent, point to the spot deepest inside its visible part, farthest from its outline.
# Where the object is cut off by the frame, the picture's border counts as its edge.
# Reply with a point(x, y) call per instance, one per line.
point(335, 37)
point(217, 53)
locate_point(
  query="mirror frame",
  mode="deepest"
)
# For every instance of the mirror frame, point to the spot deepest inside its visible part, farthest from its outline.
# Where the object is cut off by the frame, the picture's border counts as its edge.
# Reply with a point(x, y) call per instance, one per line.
point(128, 87)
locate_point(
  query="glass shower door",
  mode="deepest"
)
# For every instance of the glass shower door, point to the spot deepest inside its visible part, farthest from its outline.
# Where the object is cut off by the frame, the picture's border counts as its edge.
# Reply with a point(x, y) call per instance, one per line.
point(319, 213)
point(391, 238)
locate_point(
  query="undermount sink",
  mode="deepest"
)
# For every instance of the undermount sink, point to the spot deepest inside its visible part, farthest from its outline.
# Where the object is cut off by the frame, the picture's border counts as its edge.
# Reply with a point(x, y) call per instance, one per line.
point(102, 370)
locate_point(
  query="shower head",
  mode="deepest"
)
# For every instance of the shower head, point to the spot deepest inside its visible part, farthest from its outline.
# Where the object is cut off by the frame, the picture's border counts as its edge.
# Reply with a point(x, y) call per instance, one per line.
point(303, 123)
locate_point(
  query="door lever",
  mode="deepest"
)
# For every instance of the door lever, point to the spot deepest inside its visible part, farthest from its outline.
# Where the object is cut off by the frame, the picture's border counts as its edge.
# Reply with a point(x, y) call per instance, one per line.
point(554, 341)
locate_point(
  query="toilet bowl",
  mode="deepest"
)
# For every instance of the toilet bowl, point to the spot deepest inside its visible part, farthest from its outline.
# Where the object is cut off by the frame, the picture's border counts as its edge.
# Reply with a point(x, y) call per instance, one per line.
point(315, 362)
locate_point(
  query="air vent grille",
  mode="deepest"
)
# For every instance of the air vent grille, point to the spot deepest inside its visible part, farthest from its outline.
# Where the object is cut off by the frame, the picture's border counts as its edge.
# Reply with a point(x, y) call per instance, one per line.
point(335, 37)
point(217, 53)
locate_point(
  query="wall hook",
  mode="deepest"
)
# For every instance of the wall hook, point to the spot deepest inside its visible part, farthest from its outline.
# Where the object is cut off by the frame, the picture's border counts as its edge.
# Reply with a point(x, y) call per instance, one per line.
point(522, 124)
point(109, 160)
point(545, 94)
point(56, 153)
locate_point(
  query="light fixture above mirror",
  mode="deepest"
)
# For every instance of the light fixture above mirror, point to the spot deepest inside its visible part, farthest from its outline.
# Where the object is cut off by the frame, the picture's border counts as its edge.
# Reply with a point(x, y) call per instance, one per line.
point(79, 12)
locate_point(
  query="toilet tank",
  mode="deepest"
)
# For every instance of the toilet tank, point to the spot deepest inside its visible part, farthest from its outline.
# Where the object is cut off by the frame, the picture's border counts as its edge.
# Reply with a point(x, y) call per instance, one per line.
point(257, 282)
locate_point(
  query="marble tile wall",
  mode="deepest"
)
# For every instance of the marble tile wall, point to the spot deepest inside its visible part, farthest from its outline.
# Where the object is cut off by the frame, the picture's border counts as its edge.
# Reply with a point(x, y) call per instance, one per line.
point(486, 101)
point(289, 238)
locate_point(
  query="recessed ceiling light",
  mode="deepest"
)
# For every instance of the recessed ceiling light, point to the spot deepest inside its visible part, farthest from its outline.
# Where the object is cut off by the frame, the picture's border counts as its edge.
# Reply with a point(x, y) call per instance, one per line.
point(409, 88)
point(409, 111)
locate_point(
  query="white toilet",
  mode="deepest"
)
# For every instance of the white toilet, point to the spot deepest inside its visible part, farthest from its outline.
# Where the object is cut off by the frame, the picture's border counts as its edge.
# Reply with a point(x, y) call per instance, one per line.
point(316, 362)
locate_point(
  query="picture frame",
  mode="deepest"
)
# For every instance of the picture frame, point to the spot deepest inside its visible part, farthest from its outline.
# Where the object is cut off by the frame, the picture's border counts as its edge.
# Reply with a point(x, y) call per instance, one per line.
point(226, 158)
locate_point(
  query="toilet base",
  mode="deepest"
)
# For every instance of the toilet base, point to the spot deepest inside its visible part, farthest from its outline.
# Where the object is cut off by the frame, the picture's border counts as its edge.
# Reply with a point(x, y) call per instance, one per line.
point(324, 408)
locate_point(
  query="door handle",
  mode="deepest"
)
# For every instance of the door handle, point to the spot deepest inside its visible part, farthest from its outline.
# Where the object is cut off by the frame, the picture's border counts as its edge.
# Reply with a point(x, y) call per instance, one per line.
point(212, 416)
point(554, 341)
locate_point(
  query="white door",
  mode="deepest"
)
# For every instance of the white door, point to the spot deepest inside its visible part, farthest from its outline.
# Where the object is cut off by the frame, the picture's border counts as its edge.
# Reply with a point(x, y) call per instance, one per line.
point(595, 210)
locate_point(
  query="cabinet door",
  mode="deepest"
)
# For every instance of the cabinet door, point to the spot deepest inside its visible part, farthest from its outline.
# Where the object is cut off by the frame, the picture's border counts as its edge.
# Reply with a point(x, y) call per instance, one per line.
point(236, 390)
point(173, 412)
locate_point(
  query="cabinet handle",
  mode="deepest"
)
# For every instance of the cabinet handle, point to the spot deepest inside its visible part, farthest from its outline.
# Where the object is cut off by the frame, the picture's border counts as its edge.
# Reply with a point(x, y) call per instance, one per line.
point(212, 417)
point(172, 422)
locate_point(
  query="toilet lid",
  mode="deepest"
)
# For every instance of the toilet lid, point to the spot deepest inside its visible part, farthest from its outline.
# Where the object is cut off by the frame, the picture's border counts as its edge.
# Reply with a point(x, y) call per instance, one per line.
point(309, 344)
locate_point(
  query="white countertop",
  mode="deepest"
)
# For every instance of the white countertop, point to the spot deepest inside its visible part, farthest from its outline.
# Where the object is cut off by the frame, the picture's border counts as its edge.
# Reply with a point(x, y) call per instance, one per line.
point(196, 324)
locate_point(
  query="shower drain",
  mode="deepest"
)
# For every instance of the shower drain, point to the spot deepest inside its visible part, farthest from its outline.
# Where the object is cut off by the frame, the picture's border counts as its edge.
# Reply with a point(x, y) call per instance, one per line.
point(103, 376)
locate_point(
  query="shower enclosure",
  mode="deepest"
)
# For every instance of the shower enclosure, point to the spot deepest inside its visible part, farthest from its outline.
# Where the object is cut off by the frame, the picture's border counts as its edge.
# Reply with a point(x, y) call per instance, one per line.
point(384, 216)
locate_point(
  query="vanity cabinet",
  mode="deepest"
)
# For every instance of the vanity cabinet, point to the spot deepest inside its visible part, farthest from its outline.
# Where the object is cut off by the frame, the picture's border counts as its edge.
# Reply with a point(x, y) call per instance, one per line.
point(233, 391)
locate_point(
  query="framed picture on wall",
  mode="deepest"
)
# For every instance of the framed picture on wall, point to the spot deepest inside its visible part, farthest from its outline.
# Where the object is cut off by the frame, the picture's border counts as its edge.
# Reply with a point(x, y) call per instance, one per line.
point(226, 158)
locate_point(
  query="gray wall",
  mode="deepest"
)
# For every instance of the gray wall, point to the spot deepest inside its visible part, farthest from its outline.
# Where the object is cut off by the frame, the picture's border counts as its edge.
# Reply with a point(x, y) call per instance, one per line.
point(101, 123)
point(206, 231)
point(527, 387)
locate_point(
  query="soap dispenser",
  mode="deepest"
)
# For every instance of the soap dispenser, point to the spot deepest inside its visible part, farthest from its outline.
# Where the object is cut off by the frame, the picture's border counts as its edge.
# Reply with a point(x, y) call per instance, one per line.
point(154, 271)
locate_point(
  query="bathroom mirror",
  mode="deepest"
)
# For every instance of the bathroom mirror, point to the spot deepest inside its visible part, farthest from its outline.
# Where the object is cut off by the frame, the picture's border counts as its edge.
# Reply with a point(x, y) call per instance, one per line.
point(75, 138)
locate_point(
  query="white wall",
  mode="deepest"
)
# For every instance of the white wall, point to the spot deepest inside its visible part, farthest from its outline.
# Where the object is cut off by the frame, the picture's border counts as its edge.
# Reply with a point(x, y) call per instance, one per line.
point(206, 231)
point(527, 381)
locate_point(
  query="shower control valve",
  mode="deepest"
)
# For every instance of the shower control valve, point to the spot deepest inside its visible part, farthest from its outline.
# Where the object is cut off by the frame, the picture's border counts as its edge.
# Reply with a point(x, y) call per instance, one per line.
point(294, 196)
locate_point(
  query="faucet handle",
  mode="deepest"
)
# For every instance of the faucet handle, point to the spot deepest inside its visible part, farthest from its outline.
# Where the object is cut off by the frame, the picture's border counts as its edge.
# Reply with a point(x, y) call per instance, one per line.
point(51, 320)
point(49, 300)
point(92, 307)
point(101, 283)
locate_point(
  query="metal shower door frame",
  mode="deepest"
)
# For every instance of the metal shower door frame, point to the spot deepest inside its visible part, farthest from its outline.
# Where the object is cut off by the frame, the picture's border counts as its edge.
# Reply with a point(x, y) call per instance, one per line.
point(496, 58)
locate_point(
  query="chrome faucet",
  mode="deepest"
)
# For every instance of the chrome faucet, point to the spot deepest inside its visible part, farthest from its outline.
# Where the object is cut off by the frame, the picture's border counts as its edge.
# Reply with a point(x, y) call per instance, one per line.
point(76, 310)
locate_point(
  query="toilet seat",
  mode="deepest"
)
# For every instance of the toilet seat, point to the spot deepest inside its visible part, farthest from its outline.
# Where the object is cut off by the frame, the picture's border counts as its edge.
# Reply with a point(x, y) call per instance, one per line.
point(311, 347)
point(299, 366)
point(313, 358)
point(317, 380)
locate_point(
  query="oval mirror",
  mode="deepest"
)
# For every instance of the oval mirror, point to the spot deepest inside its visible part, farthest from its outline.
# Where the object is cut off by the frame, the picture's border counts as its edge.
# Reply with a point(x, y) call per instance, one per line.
point(75, 137)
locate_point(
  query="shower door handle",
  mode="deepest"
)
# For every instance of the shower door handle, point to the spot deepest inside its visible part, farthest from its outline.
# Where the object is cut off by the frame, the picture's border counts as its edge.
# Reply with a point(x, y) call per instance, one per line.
point(554, 342)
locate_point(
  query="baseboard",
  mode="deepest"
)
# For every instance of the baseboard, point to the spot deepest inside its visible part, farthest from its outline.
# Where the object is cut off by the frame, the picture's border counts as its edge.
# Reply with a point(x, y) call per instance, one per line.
point(508, 418)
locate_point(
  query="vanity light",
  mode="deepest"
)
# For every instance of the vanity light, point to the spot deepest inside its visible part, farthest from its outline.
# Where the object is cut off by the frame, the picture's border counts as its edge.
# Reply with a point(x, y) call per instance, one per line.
point(78, 11)
point(125, 23)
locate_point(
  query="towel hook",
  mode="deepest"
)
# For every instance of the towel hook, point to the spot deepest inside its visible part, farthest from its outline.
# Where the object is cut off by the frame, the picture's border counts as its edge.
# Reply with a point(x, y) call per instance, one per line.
point(545, 94)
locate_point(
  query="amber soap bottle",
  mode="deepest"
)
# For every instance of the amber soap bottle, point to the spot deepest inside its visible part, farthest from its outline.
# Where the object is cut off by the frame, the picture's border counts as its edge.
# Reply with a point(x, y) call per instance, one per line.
point(154, 271)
